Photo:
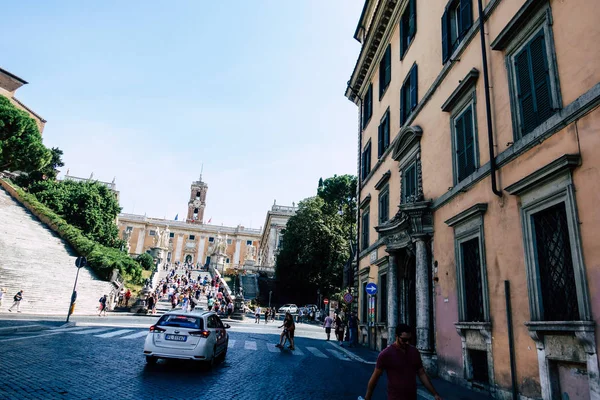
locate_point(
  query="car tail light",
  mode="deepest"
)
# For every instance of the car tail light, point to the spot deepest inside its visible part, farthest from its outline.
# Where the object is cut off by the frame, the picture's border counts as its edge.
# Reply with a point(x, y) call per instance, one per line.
point(204, 334)
point(156, 329)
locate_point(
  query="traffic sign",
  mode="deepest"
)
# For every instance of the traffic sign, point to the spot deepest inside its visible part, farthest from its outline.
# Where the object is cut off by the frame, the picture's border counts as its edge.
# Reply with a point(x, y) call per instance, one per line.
point(80, 262)
point(371, 288)
point(348, 298)
point(325, 301)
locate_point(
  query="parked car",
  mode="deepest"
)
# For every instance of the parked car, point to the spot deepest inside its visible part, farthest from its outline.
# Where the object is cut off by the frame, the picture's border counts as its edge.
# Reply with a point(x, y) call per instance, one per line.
point(199, 336)
point(291, 308)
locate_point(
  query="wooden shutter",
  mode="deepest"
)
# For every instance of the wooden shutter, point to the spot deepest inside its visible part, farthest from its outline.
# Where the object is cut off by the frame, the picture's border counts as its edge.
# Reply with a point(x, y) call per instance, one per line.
point(524, 91)
point(413, 87)
point(541, 78)
point(403, 35)
point(403, 105)
point(388, 65)
point(445, 44)
point(466, 17)
point(459, 131)
point(386, 133)
point(380, 139)
point(412, 19)
point(467, 118)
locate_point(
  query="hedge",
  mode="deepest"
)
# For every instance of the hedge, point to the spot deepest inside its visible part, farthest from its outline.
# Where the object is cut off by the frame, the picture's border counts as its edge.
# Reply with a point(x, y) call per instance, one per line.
point(101, 259)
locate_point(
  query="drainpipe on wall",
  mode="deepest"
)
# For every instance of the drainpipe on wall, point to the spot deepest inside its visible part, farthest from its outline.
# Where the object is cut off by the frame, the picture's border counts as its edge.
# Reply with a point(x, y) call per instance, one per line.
point(488, 111)
point(511, 341)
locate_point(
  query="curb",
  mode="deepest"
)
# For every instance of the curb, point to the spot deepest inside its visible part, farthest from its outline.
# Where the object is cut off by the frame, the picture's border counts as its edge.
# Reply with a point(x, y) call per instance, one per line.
point(25, 328)
point(351, 354)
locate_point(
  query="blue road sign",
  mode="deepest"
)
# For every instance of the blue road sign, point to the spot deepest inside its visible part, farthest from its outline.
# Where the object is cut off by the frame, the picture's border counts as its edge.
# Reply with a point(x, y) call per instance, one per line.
point(371, 288)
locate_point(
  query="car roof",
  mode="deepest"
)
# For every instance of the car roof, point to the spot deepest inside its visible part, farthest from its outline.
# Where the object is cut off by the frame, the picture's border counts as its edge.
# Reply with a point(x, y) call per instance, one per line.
point(199, 313)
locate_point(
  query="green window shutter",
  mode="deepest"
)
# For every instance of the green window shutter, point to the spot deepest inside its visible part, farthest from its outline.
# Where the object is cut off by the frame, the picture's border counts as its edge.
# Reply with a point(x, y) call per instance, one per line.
point(403, 35)
point(388, 65)
point(459, 131)
point(403, 105)
point(413, 87)
point(380, 140)
point(541, 78)
point(524, 91)
point(469, 142)
point(412, 19)
point(445, 44)
point(386, 132)
point(466, 17)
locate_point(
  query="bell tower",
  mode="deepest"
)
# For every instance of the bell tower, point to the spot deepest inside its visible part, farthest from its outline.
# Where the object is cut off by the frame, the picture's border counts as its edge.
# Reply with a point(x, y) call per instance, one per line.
point(197, 202)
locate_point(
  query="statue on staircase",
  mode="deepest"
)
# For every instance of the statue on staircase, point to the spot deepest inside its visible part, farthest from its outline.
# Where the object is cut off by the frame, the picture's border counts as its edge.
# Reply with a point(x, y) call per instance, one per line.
point(157, 237)
point(166, 235)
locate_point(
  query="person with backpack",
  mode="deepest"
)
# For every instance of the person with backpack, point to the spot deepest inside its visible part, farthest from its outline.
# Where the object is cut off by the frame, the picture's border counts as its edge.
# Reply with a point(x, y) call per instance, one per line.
point(17, 301)
point(102, 306)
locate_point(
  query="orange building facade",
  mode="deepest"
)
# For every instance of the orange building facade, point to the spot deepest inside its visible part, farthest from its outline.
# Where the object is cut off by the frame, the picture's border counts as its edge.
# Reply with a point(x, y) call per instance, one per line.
point(478, 189)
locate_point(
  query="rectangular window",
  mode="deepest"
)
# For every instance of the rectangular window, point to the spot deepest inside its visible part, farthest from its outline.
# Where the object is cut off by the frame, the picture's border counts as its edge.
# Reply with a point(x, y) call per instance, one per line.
point(383, 298)
point(408, 26)
point(465, 161)
point(197, 195)
point(129, 228)
point(229, 241)
point(456, 22)
point(248, 242)
point(384, 205)
point(409, 182)
point(366, 161)
point(207, 260)
point(385, 71)
point(195, 211)
point(479, 365)
point(172, 234)
point(554, 260)
point(532, 75)
point(471, 264)
point(365, 229)
point(368, 106)
point(211, 239)
point(383, 136)
point(192, 237)
point(227, 261)
point(152, 233)
point(408, 95)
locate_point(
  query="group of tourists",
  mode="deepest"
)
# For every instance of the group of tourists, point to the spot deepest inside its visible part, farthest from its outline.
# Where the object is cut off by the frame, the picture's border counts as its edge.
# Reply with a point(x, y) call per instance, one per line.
point(341, 326)
point(269, 314)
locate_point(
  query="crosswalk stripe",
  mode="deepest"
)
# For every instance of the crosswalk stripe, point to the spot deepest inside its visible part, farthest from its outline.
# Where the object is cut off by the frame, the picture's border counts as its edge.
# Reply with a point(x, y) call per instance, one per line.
point(338, 354)
point(114, 333)
point(250, 345)
point(316, 352)
point(71, 329)
point(90, 331)
point(271, 347)
point(297, 352)
point(135, 335)
point(231, 343)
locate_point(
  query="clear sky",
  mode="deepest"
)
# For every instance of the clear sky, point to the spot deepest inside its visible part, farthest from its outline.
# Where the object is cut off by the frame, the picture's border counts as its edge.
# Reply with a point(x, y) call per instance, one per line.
point(148, 91)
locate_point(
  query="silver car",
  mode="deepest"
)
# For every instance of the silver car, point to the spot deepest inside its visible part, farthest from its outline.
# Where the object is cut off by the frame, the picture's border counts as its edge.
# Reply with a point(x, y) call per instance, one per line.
point(199, 336)
point(291, 308)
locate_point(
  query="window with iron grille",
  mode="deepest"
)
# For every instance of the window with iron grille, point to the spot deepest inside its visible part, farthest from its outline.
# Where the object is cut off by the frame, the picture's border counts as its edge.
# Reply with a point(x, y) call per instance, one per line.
point(384, 205)
point(532, 76)
point(408, 26)
point(465, 157)
point(555, 264)
point(409, 183)
point(365, 229)
point(385, 71)
point(383, 134)
point(471, 264)
point(408, 94)
point(368, 106)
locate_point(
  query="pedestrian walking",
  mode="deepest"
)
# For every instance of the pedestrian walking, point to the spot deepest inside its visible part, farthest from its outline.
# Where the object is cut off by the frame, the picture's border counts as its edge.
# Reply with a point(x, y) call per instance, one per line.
point(17, 301)
point(402, 363)
point(211, 303)
point(257, 313)
point(2, 291)
point(102, 306)
point(353, 329)
point(327, 325)
point(339, 329)
point(229, 309)
point(273, 314)
point(267, 312)
point(288, 332)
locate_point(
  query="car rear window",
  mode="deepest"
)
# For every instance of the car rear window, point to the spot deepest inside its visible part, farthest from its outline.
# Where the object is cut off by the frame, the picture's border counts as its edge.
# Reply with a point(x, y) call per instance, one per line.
point(181, 321)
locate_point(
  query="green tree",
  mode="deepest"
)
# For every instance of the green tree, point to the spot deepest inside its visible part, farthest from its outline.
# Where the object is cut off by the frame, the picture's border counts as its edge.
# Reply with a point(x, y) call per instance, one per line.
point(48, 172)
point(90, 206)
point(146, 261)
point(21, 147)
point(315, 245)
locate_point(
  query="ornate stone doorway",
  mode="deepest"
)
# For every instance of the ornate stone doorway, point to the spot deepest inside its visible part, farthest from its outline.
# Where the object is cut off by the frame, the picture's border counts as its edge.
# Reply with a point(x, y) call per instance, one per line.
point(189, 258)
point(407, 294)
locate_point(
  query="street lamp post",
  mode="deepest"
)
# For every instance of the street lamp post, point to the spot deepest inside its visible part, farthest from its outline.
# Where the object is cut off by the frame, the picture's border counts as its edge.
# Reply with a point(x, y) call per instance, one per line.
point(79, 263)
point(270, 293)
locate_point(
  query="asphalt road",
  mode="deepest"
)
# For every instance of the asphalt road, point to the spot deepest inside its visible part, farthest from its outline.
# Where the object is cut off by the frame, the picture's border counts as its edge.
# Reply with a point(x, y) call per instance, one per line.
point(102, 359)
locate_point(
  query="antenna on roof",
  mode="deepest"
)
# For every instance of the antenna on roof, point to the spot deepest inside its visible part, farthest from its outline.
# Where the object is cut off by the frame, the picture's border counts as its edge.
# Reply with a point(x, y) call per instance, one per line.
point(201, 170)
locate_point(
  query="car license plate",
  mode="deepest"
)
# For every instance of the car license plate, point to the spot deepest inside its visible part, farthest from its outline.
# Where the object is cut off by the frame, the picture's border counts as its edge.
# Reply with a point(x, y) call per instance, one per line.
point(177, 338)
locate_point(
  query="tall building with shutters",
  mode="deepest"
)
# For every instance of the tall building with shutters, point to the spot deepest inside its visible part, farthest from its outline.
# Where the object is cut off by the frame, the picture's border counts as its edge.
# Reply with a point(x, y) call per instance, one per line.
point(479, 167)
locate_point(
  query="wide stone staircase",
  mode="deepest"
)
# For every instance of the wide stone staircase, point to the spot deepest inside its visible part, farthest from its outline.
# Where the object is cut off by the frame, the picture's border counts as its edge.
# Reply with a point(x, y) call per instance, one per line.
point(36, 260)
point(164, 305)
point(249, 284)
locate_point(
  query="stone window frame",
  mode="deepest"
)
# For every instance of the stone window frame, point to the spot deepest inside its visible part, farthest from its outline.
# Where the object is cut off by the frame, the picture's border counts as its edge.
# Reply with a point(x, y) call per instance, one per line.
point(467, 225)
point(151, 232)
point(171, 235)
point(541, 20)
point(248, 242)
point(469, 100)
point(229, 241)
point(544, 188)
point(366, 211)
point(383, 270)
point(192, 237)
point(408, 151)
point(385, 190)
point(211, 239)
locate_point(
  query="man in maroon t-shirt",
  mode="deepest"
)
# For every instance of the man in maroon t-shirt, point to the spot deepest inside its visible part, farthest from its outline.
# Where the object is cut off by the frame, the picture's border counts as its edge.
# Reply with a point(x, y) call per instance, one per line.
point(402, 362)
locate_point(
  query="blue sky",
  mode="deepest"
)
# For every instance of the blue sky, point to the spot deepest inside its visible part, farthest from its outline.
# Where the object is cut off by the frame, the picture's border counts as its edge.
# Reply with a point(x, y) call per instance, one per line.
point(149, 91)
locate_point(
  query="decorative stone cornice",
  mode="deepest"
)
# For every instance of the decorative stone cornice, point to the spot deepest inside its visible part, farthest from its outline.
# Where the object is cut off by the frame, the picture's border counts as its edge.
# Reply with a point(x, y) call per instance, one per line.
point(412, 221)
point(561, 164)
point(463, 87)
point(383, 180)
point(365, 202)
point(477, 209)
point(408, 137)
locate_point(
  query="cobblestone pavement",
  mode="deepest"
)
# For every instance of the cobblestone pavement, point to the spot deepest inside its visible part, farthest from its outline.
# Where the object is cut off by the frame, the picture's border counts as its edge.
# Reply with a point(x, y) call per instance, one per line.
point(106, 362)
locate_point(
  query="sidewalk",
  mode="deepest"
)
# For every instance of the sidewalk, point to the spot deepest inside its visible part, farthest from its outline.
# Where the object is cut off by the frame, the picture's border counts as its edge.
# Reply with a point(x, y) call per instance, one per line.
point(448, 390)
